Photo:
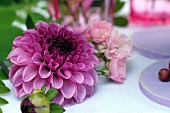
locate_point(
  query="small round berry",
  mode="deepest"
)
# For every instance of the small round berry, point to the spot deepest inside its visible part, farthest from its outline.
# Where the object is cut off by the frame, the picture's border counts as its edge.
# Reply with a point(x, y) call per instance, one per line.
point(164, 74)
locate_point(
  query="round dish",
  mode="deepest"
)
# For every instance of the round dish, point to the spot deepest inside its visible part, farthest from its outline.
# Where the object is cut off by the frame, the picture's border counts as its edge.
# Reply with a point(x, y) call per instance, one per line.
point(152, 87)
point(153, 42)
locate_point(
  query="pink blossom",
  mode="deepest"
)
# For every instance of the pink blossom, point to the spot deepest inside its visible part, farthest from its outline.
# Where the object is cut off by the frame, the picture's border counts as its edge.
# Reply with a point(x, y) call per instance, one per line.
point(118, 46)
point(117, 70)
point(100, 31)
point(55, 56)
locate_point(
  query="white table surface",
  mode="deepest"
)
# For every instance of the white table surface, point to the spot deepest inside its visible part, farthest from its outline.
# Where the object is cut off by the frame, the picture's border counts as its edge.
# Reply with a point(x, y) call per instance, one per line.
point(109, 97)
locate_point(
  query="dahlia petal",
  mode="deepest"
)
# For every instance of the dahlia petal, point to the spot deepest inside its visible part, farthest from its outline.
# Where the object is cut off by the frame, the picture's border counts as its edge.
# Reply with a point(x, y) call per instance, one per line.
point(44, 71)
point(67, 65)
point(37, 47)
point(89, 91)
point(29, 48)
point(80, 94)
point(16, 41)
point(59, 98)
point(68, 89)
point(75, 58)
point(94, 59)
point(28, 87)
point(89, 64)
point(94, 74)
point(42, 27)
point(88, 79)
point(53, 65)
point(57, 82)
point(30, 72)
point(53, 28)
point(81, 65)
point(68, 102)
point(37, 58)
point(79, 78)
point(17, 80)
point(67, 74)
point(19, 92)
point(12, 72)
point(32, 34)
point(39, 82)
point(15, 52)
point(23, 57)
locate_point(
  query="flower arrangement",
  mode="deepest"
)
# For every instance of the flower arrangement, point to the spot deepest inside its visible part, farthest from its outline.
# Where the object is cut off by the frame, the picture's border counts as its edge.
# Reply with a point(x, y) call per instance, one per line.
point(112, 47)
point(63, 57)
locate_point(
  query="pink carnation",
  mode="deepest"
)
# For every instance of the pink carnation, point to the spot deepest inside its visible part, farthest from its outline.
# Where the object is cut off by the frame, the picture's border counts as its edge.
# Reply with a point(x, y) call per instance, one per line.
point(117, 69)
point(118, 46)
point(100, 31)
point(55, 56)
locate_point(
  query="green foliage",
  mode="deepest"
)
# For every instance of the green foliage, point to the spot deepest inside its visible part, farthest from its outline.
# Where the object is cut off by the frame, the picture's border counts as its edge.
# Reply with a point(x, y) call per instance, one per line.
point(4, 89)
point(1, 110)
point(120, 21)
point(43, 89)
point(51, 93)
point(29, 22)
point(119, 5)
point(3, 76)
point(1, 83)
point(55, 108)
point(3, 101)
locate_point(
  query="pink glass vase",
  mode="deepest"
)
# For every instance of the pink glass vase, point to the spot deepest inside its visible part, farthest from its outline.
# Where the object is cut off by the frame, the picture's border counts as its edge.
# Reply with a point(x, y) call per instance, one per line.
point(150, 12)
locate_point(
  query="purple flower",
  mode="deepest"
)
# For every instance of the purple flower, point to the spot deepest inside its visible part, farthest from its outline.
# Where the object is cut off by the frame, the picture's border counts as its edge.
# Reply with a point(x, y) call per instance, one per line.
point(55, 56)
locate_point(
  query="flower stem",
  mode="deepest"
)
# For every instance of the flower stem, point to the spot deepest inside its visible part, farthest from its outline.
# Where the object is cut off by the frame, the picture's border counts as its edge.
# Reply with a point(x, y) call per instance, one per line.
point(4, 67)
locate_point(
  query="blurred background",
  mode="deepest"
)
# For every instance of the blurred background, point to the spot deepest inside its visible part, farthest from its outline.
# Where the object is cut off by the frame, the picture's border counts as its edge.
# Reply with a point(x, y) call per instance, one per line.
point(19, 15)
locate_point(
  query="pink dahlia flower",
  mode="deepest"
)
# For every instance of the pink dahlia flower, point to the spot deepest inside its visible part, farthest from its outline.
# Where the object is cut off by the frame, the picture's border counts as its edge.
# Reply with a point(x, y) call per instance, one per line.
point(55, 56)
point(118, 46)
point(100, 31)
point(117, 70)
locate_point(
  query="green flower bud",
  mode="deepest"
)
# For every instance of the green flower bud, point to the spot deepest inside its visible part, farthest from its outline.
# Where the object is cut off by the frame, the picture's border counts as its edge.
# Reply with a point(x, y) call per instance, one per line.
point(35, 103)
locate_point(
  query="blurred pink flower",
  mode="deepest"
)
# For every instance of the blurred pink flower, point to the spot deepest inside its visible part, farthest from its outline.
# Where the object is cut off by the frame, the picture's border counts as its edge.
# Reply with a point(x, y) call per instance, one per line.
point(100, 31)
point(117, 69)
point(53, 9)
point(118, 46)
point(55, 56)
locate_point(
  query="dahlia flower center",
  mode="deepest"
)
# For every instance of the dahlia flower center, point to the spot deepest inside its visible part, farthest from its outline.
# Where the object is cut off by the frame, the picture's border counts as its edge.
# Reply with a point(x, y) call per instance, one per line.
point(63, 46)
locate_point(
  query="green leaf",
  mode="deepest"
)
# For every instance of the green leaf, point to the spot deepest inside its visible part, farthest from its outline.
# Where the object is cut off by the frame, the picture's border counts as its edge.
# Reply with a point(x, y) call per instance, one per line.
point(2, 83)
point(59, 20)
point(4, 89)
point(3, 76)
point(120, 21)
point(1, 110)
point(3, 101)
point(29, 22)
point(4, 68)
point(119, 5)
point(51, 93)
point(43, 89)
point(7, 36)
point(55, 108)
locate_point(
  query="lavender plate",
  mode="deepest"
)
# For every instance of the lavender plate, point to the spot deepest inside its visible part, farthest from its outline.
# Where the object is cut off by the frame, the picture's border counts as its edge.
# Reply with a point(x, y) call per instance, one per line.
point(153, 42)
point(152, 87)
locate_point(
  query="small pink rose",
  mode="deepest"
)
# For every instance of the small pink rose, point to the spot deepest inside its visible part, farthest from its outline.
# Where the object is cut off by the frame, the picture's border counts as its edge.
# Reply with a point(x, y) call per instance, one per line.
point(100, 31)
point(117, 70)
point(117, 46)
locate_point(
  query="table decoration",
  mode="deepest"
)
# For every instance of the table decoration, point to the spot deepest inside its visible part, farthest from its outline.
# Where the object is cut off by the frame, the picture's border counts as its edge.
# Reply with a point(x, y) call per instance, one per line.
point(152, 42)
point(63, 58)
point(152, 87)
